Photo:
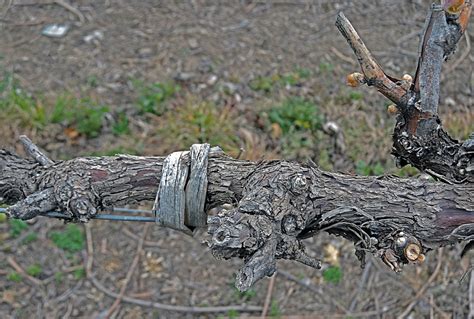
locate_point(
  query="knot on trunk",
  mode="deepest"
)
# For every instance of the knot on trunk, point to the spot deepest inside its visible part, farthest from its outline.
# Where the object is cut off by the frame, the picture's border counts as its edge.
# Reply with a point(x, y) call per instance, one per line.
point(265, 224)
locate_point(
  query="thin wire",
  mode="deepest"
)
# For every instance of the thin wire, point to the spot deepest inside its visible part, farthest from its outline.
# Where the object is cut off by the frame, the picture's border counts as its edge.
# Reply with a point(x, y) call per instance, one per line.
point(121, 218)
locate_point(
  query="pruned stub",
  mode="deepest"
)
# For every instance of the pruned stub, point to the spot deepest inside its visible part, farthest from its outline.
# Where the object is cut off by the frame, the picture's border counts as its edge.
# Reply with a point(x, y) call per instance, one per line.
point(280, 206)
point(264, 226)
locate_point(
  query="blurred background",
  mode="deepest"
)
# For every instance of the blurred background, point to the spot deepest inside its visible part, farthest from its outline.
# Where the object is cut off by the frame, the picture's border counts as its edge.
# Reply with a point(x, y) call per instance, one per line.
point(261, 79)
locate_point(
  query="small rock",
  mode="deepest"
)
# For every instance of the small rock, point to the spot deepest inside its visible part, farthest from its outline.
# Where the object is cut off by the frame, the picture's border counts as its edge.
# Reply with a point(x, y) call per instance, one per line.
point(449, 101)
point(193, 43)
point(184, 76)
point(237, 98)
point(94, 36)
point(145, 52)
point(55, 30)
point(212, 80)
point(229, 88)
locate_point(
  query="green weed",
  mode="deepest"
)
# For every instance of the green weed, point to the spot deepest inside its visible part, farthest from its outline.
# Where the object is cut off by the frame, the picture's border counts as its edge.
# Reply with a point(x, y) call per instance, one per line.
point(356, 95)
point(296, 114)
point(17, 226)
point(274, 310)
point(232, 314)
point(365, 169)
point(79, 273)
point(34, 270)
point(121, 125)
point(199, 122)
point(152, 97)
point(3, 217)
point(70, 240)
point(14, 276)
point(92, 81)
point(326, 67)
point(332, 274)
point(407, 171)
point(59, 277)
point(84, 115)
point(269, 83)
point(262, 83)
point(245, 295)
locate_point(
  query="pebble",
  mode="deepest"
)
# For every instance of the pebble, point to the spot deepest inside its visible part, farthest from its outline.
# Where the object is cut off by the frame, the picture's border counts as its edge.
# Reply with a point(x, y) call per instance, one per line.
point(193, 44)
point(212, 80)
point(145, 52)
point(184, 76)
point(96, 35)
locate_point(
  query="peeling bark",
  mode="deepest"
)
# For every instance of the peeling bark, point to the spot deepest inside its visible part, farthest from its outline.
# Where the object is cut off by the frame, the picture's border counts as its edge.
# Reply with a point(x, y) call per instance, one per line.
point(271, 206)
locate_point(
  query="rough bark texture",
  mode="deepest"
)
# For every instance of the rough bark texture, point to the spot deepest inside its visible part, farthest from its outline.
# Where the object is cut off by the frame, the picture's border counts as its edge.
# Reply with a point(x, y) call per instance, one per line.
point(271, 206)
point(419, 138)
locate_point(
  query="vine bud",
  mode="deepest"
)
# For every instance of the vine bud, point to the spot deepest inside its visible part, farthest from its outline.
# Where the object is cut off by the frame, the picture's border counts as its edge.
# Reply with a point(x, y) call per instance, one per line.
point(412, 252)
point(355, 79)
point(453, 6)
point(392, 109)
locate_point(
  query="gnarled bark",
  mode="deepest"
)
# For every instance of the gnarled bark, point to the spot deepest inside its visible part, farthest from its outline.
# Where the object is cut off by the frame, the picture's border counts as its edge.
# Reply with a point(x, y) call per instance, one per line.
point(271, 207)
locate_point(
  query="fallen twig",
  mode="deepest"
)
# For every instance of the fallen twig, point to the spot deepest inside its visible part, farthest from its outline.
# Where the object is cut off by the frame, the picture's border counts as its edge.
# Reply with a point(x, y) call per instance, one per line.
point(156, 305)
point(90, 251)
point(20, 270)
point(129, 273)
point(420, 292)
point(268, 298)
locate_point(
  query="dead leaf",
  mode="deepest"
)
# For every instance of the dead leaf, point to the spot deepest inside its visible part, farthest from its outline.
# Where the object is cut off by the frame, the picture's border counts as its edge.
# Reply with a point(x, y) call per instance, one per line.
point(71, 133)
point(331, 255)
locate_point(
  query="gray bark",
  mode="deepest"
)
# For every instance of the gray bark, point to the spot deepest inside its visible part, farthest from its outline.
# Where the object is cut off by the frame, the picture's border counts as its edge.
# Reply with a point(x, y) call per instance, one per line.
point(271, 206)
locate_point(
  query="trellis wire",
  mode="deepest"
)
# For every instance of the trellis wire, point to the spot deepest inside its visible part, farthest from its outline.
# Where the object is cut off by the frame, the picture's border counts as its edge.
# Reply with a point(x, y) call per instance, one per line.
point(121, 218)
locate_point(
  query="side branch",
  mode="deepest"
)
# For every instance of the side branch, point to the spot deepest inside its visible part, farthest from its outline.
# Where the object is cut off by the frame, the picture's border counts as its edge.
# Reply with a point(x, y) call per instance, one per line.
point(419, 138)
point(373, 73)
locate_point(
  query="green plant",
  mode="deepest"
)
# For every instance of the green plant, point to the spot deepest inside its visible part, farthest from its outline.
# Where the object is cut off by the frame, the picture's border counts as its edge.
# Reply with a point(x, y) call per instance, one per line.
point(17, 226)
point(34, 270)
point(326, 67)
point(18, 104)
point(70, 240)
point(14, 276)
point(231, 314)
point(92, 81)
point(407, 171)
point(356, 95)
point(3, 217)
point(332, 274)
point(295, 115)
point(365, 169)
point(121, 125)
point(152, 97)
point(199, 122)
point(59, 277)
point(245, 295)
point(274, 309)
point(79, 273)
point(85, 115)
point(262, 83)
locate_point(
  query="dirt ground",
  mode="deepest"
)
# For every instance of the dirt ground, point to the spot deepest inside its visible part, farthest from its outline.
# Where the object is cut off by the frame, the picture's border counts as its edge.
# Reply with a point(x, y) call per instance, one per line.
point(215, 50)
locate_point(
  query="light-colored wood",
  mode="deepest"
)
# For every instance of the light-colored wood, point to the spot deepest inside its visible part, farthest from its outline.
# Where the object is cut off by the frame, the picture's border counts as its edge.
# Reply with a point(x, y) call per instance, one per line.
point(196, 188)
point(170, 204)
